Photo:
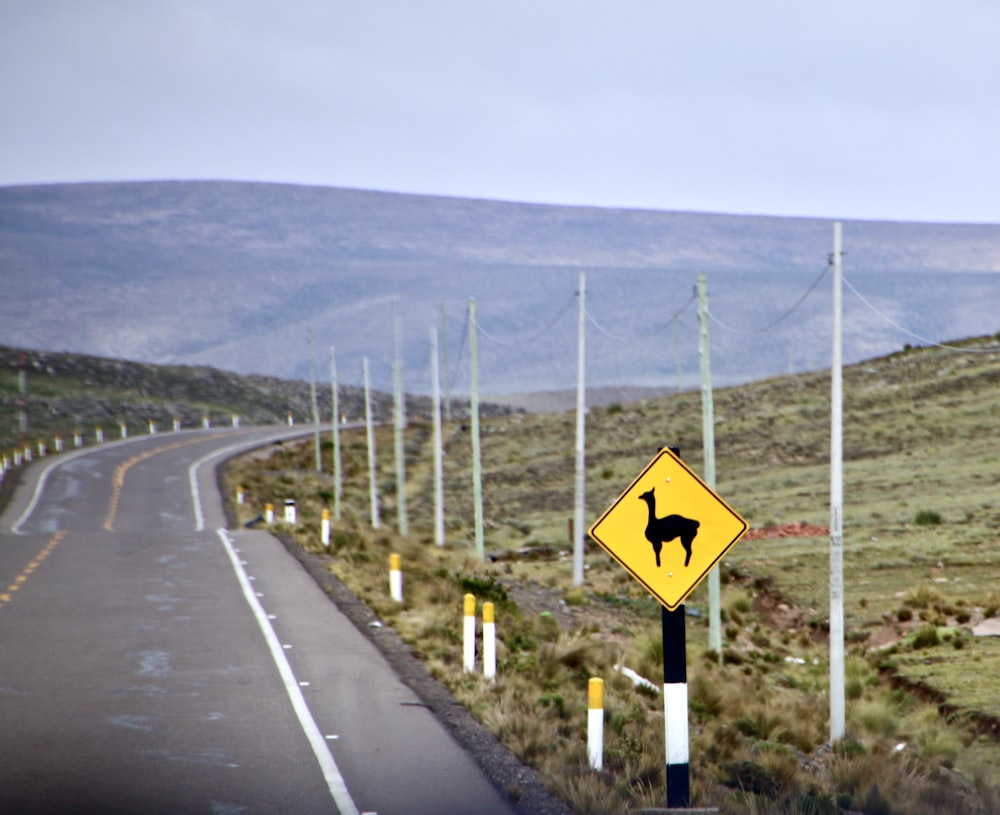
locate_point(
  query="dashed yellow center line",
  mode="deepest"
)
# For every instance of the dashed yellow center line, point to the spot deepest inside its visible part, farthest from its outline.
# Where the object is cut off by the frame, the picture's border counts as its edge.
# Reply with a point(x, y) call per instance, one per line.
point(8, 594)
point(118, 479)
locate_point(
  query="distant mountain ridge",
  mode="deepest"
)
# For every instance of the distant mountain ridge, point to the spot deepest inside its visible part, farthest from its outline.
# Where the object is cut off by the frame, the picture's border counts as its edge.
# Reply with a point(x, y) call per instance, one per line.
point(234, 275)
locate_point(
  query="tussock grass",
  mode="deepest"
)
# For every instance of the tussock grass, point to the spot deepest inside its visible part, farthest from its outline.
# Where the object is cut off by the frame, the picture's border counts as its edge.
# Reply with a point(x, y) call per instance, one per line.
point(759, 728)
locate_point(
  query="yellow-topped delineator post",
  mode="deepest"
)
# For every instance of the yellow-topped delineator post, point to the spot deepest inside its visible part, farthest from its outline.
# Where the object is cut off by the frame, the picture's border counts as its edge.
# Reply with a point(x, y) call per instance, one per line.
point(395, 578)
point(489, 641)
point(469, 633)
point(595, 722)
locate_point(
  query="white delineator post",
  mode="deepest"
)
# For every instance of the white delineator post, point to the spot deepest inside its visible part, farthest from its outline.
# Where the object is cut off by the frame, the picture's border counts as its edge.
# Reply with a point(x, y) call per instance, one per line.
point(324, 528)
point(240, 495)
point(206, 423)
point(595, 723)
point(269, 513)
point(469, 634)
point(290, 514)
point(99, 435)
point(77, 438)
point(395, 578)
point(152, 427)
point(176, 424)
point(124, 430)
point(58, 444)
point(489, 641)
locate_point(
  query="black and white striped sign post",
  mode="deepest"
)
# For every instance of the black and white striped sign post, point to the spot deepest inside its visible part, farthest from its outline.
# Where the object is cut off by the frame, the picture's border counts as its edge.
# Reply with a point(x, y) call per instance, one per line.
point(675, 708)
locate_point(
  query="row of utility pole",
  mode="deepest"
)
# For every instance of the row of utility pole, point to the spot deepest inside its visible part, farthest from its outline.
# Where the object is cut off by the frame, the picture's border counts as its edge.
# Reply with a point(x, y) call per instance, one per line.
point(837, 716)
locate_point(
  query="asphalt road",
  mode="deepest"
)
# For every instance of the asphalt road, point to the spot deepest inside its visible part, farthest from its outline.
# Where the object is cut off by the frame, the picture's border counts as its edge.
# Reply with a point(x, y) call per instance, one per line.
point(153, 662)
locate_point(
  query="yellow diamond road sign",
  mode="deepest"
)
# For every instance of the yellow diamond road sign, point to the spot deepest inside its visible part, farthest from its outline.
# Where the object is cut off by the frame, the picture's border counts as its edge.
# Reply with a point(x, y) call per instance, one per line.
point(668, 529)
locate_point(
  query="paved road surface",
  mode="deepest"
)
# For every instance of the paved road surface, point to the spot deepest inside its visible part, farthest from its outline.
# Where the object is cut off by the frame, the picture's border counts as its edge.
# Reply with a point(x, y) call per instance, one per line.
point(153, 662)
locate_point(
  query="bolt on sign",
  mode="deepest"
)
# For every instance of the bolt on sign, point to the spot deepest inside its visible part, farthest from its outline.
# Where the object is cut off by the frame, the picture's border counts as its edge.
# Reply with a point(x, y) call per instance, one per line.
point(669, 529)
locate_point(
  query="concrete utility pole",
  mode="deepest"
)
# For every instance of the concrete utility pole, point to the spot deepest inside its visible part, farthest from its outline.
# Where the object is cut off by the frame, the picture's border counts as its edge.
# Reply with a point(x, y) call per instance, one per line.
point(477, 468)
point(447, 370)
point(399, 425)
point(335, 430)
point(837, 703)
point(370, 432)
point(581, 409)
point(438, 444)
point(708, 432)
point(315, 406)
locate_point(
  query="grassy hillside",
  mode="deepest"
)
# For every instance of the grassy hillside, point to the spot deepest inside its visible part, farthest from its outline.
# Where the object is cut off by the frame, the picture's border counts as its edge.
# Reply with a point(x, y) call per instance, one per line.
point(921, 563)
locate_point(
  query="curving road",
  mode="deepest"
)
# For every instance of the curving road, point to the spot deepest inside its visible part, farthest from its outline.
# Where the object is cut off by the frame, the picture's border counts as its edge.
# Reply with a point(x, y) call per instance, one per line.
point(153, 662)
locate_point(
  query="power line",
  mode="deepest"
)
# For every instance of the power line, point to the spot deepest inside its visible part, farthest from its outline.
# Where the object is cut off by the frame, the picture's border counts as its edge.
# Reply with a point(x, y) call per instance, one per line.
point(784, 316)
point(673, 319)
point(906, 331)
point(530, 339)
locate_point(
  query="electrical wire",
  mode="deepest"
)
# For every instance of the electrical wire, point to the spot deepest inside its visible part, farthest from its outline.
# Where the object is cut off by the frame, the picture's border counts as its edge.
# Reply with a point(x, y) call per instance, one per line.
point(673, 319)
point(530, 339)
point(784, 316)
point(909, 333)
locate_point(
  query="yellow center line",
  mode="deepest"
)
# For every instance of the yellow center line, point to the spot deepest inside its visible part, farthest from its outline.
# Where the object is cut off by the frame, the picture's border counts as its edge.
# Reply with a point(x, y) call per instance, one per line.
point(7, 595)
point(118, 479)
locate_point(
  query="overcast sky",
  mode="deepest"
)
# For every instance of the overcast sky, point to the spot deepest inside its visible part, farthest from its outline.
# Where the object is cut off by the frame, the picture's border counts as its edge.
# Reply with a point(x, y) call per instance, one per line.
point(875, 109)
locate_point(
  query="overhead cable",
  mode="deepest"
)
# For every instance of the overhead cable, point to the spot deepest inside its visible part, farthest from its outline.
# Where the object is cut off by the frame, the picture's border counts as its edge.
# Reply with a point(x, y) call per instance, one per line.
point(784, 316)
point(906, 331)
point(673, 319)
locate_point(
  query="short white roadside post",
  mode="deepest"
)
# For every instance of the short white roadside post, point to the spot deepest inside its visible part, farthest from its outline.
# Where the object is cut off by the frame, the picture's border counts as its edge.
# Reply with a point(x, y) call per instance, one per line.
point(489, 642)
point(469, 634)
point(99, 435)
point(395, 578)
point(42, 449)
point(58, 444)
point(77, 438)
point(176, 424)
point(27, 454)
point(290, 511)
point(152, 428)
point(291, 419)
point(269, 513)
point(324, 528)
point(241, 496)
point(595, 723)
point(236, 420)
point(206, 423)
point(124, 429)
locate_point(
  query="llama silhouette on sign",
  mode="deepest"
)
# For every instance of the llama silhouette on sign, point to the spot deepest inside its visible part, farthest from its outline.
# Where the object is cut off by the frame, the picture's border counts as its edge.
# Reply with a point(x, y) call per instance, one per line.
point(661, 530)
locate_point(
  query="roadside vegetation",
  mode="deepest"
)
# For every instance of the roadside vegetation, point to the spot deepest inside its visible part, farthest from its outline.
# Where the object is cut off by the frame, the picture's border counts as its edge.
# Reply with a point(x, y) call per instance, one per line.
point(921, 561)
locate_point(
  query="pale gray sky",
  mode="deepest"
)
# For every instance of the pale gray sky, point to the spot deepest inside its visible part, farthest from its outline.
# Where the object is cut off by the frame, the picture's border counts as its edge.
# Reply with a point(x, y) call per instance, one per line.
point(876, 109)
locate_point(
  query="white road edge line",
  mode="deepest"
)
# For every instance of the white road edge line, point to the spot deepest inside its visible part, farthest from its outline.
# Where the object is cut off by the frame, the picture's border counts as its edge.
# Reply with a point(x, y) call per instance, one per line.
point(334, 780)
point(56, 462)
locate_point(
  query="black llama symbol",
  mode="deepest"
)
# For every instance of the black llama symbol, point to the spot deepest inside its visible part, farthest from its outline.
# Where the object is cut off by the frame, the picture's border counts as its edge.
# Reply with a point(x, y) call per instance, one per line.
point(661, 530)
